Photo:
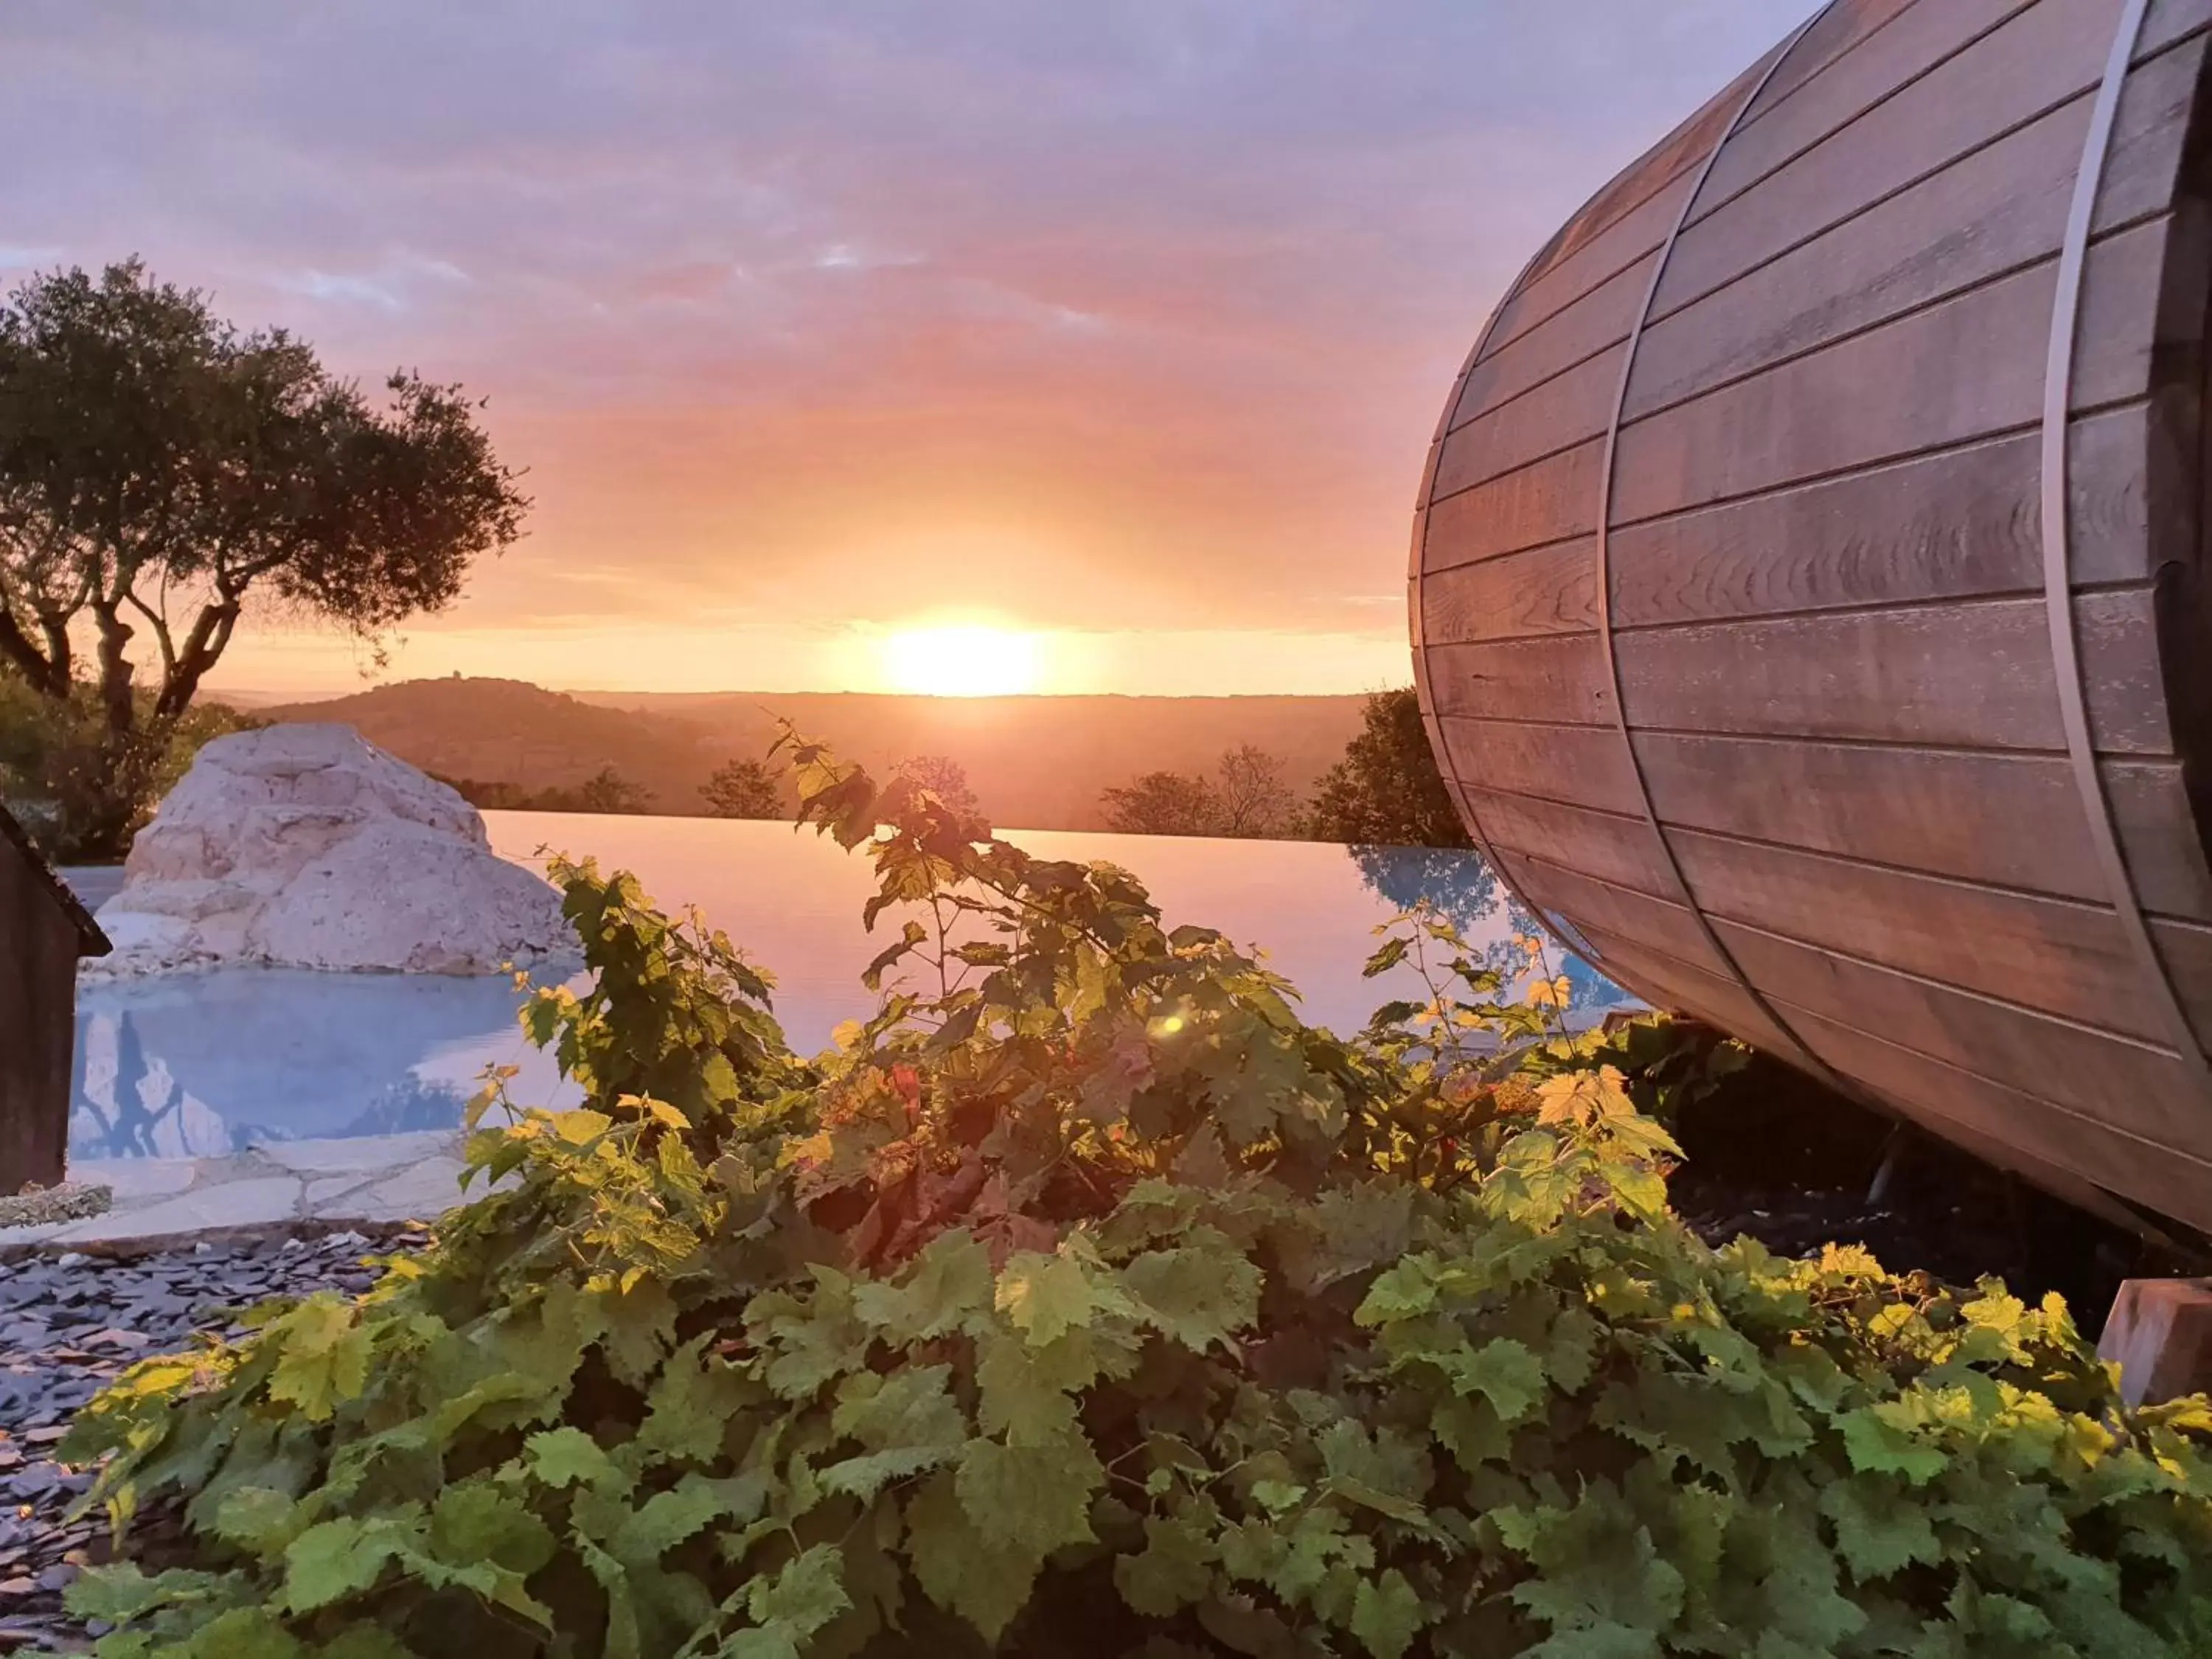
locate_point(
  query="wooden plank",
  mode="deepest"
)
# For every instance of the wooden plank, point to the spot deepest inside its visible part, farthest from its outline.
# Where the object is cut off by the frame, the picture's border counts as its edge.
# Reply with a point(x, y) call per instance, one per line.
point(2169, 21)
point(2160, 1334)
point(1915, 94)
point(2065, 1183)
point(1838, 30)
point(1566, 410)
point(1601, 318)
point(2142, 166)
point(2047, 56)
point(1953, 525)
point(2164, 1179)
point(2064, 959)
point(1719, 1000)
point(1550, 501)
point(1586, 765)
point(1561, 678)
point(1622, 851)
point(2136, 317)
point(1976, 674)
point(1627, 218)
point(1733, 301)
point(1621, 244)
point(1621, 912)
point(1545, 590)
point(2009, 820)
point(2186, 948)
point(2161, 837)
point(2135, 1086)
point(37, 991)
point(2005, 820)
point(1969, 367)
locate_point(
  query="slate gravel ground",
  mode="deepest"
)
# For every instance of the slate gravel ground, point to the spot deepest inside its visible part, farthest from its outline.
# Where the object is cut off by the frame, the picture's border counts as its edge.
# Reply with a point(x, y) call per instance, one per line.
point(68, 1325)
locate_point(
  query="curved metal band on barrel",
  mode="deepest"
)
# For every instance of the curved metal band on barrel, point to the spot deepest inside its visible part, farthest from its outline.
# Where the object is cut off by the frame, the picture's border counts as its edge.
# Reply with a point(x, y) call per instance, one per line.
point(2058, 563)
point(1604, 565)
point(1413, 575)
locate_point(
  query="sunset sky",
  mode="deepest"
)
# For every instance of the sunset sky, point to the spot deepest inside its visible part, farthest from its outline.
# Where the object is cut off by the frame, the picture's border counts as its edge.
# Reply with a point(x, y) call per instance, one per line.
point(1120, 325)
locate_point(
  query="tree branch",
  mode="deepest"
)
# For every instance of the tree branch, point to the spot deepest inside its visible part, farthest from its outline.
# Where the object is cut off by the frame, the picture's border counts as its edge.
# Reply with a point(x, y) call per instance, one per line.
point(203, 648)
point(161, 635)
point(17, 646)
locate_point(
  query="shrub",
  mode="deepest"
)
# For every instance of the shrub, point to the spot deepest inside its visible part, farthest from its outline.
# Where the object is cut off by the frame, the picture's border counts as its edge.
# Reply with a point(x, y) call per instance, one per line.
point(1086, 1301)
point(82, 788)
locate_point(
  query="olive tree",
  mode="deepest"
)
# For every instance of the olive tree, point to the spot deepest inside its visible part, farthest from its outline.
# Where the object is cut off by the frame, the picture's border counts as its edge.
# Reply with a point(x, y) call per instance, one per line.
point(158, 466)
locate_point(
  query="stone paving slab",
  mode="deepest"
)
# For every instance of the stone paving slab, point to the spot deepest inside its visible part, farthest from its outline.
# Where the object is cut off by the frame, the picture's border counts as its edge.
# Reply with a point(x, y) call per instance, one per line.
point(323, 1184)
point(69, 1324)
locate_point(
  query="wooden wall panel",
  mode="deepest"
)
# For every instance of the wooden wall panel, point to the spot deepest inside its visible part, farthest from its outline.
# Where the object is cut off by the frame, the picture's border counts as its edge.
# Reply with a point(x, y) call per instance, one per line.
point(2005, 820)
point(2178, 1185)
point(1968, 368)
point(1560, 679)
point(2135, 1086)
point(1719, 1000)
point(2062, 957)
point(1549, 501)
point(1628, 240)
point(2000, 209)
point(1585, 765)
point(1825, 585)
point(1623, 851)
point(2160, 836)
point(1954, 525)
point(1839, 29)
point(1544, 590)
point(2050, 52)
point(1600, 319)
point(1970, 675)
point(1565, 410)
point(2008, 820)
point(40, 944)
point(1661, 925)
point(1905, 52)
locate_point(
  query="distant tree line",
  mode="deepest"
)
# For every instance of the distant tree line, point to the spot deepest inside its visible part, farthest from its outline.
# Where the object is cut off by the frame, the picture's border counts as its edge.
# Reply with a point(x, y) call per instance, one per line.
point(1385, 792)
point(605, 791)
point(737, 788)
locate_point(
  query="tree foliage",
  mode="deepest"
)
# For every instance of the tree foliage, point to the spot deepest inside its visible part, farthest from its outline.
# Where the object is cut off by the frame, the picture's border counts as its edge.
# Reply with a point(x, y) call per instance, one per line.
point(56, 772)
point(1247, 796)
point(605, 791)
point(944, 777)
point(158, 466)
point(1386, 791)
point(1086, 1301)
point(1161, 804)
point(742, 789)
point(1250, 797)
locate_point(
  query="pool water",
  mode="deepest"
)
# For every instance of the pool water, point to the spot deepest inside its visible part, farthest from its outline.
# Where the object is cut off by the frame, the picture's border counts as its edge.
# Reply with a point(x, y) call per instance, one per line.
point(202, 1065)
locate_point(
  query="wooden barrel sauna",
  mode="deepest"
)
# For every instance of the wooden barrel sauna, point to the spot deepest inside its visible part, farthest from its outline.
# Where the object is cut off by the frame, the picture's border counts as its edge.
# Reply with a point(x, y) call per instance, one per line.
point(1806, 590)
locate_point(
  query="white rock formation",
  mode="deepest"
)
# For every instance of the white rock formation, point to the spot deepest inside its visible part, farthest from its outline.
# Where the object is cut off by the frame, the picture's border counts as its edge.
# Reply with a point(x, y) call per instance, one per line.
point(305, 846)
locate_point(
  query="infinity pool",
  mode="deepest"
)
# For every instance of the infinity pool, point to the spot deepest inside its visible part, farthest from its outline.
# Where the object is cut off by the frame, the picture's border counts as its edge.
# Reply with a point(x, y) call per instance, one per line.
point(206, 1064)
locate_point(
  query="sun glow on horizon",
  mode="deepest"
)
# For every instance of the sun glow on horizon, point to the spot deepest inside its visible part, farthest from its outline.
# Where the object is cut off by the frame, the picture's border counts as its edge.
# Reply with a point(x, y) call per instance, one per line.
point(971, 661)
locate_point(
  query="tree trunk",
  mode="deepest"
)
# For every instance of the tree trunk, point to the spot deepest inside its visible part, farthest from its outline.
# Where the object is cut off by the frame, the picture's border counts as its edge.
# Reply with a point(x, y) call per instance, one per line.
point(203, 648)
point(115, 670)
point(100, 822)
point(37, 669)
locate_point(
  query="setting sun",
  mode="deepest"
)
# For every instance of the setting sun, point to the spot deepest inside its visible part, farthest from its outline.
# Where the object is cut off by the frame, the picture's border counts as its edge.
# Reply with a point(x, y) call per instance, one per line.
point(962, 662)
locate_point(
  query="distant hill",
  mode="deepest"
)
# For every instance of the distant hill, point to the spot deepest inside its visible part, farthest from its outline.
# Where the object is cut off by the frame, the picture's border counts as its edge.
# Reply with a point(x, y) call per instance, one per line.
point(1035, 763)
